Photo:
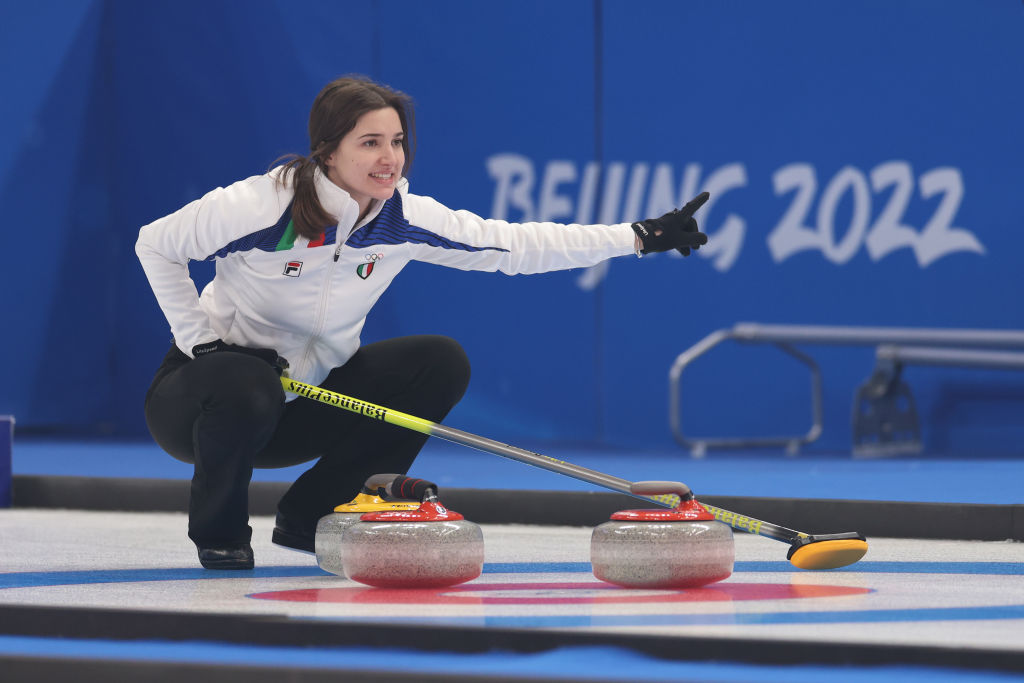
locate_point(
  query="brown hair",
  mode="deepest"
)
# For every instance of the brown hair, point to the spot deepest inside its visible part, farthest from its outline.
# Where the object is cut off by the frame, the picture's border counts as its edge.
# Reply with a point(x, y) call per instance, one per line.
point(334, 113)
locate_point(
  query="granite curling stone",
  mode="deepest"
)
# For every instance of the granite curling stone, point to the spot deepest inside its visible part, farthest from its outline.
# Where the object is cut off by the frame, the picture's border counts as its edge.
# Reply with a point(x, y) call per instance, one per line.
point(378, 494)
point(431, 547)
point(683, 547)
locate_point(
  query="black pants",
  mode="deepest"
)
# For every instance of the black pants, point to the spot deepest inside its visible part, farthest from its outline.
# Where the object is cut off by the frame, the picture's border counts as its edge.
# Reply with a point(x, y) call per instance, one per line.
point(226, 413)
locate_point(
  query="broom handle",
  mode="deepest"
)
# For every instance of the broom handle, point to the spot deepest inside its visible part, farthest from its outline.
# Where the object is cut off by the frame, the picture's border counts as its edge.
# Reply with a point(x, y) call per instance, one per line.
point(417, 424)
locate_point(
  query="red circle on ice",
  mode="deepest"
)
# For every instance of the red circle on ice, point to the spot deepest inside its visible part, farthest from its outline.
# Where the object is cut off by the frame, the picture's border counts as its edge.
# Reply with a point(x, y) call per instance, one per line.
point(558, 594)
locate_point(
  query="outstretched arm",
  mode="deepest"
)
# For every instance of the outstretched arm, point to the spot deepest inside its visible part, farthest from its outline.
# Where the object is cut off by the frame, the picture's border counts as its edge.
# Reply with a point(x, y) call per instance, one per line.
point(470, 242)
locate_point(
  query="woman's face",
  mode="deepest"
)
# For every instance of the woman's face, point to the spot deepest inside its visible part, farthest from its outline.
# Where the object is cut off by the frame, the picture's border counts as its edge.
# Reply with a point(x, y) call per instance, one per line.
point(369, 160)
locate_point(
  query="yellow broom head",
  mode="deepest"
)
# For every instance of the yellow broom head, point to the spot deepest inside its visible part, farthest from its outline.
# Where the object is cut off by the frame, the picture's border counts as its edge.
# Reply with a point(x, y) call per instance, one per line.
point(828, 552)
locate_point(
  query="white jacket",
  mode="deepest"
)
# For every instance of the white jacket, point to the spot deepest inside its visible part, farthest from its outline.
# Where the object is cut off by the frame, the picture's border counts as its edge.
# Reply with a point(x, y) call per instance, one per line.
point(309, 301)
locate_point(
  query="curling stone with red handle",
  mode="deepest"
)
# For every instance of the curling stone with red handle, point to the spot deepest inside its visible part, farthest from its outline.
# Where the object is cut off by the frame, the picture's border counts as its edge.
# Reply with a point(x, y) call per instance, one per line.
point(684, 547)
point(431, 547)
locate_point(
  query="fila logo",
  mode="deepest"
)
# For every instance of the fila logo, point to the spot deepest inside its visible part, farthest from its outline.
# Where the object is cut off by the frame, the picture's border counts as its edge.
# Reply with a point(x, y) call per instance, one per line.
point(363, 270)
point(293, 268)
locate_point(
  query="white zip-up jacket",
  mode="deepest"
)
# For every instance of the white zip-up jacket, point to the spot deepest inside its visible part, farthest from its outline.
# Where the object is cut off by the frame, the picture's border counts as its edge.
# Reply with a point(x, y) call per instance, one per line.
point(309, 300)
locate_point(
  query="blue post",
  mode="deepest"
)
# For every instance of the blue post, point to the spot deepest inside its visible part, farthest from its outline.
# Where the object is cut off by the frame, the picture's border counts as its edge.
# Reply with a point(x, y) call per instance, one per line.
point(6, 444)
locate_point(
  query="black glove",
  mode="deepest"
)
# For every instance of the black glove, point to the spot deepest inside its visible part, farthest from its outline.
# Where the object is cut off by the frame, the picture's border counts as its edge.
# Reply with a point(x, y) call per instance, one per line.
point(676, 230)
point(269, 355)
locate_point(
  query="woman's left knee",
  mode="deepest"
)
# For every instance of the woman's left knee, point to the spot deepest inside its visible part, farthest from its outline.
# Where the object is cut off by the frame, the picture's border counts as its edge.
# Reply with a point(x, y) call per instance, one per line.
point(449, 359)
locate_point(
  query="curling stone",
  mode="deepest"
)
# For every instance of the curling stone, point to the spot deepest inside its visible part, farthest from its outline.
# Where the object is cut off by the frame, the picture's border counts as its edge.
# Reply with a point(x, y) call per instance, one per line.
point(683, 547)
point(377, 495)
point(430, 547)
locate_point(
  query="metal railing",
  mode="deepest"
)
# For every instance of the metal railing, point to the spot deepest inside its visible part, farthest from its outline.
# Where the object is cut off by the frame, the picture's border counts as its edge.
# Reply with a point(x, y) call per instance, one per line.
point(884, 393)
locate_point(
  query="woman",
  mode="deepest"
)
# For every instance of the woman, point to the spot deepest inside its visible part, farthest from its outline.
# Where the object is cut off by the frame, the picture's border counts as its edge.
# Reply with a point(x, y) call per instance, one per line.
point(303, 253)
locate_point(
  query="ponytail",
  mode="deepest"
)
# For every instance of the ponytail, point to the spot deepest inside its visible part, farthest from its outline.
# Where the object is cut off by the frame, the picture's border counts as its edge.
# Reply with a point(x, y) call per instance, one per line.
point(309, 217)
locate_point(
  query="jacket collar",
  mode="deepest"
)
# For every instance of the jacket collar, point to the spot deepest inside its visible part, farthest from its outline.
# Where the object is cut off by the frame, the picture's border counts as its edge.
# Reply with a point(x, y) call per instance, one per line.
point(336, 201)
point(339, 203)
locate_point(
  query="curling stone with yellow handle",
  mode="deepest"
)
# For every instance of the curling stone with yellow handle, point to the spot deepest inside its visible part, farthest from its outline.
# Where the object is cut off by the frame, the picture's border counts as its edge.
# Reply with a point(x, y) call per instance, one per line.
point(380, 493)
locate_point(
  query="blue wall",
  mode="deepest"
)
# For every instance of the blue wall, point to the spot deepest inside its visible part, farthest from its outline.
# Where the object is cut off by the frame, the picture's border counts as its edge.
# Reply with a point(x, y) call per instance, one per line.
point(866, 165)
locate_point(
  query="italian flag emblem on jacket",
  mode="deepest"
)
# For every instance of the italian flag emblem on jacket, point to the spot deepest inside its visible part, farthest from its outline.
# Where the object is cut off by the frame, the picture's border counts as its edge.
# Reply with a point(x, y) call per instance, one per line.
point(363, 270)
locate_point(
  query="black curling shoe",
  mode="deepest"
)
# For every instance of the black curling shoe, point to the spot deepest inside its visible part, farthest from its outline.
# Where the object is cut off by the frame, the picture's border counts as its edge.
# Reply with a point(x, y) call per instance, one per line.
point(289, 535)
point(239, 557)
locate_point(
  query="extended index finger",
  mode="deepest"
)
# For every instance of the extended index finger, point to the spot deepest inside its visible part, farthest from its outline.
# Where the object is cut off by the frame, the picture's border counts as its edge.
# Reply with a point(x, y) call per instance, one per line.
point(695, 203)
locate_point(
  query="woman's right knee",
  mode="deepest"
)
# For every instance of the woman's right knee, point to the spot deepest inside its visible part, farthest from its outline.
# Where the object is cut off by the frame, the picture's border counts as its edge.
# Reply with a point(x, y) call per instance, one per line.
point(248, 388)
point(243, 391)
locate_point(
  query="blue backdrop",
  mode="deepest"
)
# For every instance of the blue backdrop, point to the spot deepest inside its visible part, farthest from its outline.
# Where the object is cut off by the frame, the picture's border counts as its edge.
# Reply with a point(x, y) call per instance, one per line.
point(865, 160)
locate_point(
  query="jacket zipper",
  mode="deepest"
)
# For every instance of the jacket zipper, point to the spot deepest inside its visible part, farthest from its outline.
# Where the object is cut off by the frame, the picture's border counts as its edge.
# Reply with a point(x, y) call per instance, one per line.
point(321, 314)
point(322, 309)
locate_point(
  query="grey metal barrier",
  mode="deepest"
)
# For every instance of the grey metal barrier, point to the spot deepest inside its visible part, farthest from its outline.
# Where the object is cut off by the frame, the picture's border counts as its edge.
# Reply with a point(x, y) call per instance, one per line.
point(884, 416)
